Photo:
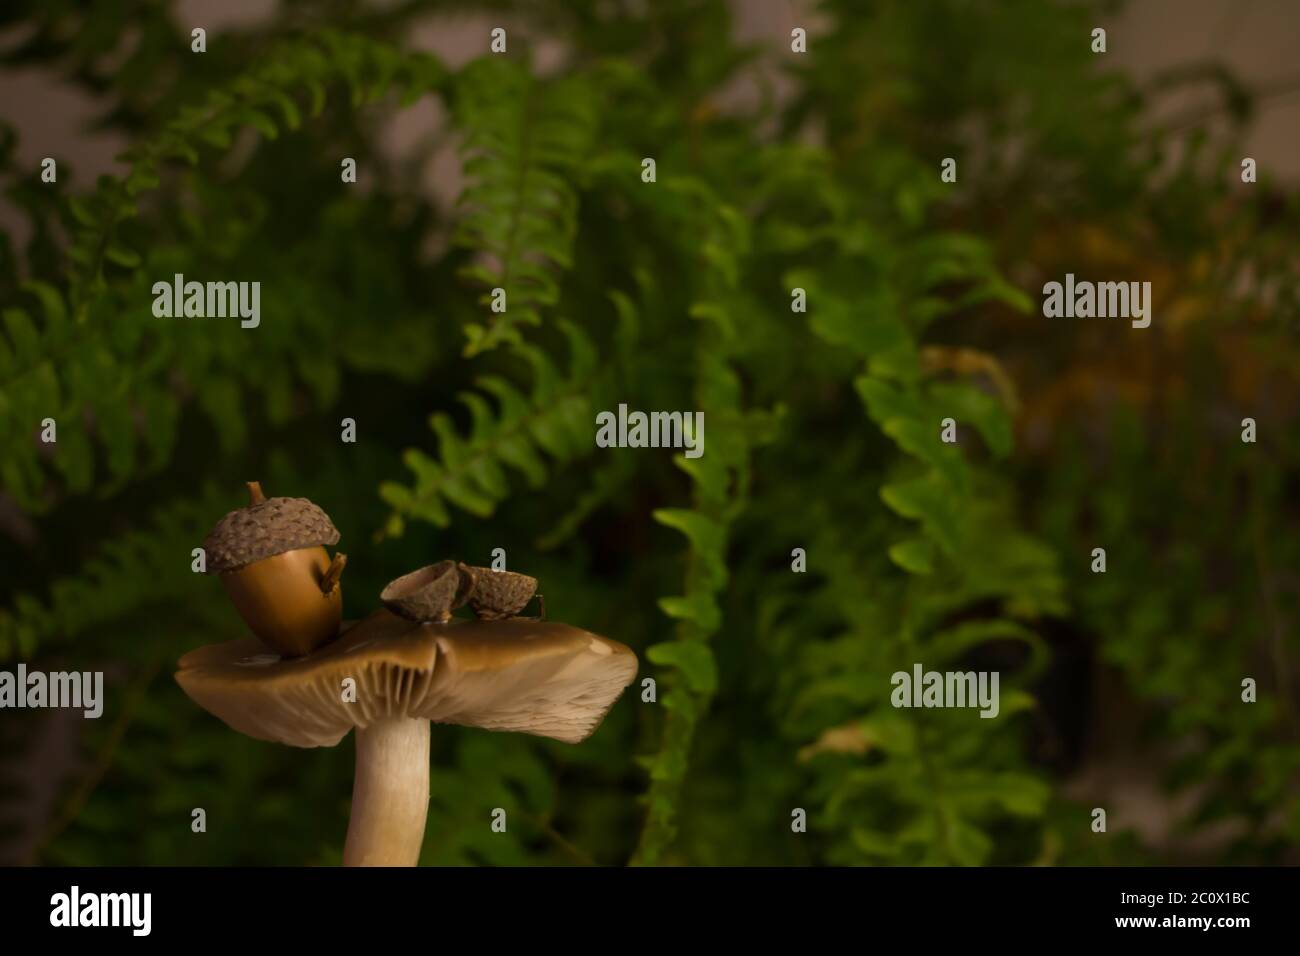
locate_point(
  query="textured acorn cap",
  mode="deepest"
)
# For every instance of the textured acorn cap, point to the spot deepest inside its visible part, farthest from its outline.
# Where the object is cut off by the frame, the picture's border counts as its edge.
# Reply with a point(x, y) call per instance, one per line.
point(265, 529)
point(535, 677)
point(429, 594)
point(498, 594)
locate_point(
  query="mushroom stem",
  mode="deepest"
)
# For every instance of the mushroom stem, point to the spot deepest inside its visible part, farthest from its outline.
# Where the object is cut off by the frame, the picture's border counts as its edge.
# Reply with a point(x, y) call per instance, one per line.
point(390, 793)
point(255, 493)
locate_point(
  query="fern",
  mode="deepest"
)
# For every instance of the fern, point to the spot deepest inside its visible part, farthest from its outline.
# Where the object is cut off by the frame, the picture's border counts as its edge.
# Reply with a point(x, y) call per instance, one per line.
point(139, 569)
point(1233, 763)
point(720, 481)
point(965, 551)
point(524, 140)
point(606, 481)
point(256, 99)
point(88, 352)
point(553, 421)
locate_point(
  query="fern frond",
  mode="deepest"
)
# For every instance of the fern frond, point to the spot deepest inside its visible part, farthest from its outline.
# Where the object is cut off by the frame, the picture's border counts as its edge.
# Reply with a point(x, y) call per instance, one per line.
point(144, 568)
point(719, 484)
point(525, 433)
point(607, 481)
point(524, 140)
point(967, 550)
point(84, 352)
point(268, 97)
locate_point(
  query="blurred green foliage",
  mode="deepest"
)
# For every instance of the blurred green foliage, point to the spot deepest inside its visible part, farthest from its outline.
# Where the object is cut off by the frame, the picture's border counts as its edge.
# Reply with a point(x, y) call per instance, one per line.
point(822, 429)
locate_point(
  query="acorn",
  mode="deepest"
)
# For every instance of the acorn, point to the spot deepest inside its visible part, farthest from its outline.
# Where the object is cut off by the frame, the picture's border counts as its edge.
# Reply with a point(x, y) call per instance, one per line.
point(273, 564)
point(496, 595)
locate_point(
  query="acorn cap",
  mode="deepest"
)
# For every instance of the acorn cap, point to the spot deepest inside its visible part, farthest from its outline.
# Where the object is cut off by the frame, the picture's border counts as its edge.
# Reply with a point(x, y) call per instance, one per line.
point(268, 527)
point(429, 594)
point(536, 677)
point(494, 595)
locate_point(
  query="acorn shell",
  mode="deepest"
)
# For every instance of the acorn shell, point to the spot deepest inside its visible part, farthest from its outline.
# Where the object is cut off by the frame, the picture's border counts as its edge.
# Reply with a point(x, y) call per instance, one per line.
point(428, 594)
point(495, 595)
point(265, 529)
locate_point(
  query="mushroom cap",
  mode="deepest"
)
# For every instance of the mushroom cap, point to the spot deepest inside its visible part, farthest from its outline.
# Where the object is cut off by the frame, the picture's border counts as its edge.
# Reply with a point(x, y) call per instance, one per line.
point(264, 530)
point(537, 677)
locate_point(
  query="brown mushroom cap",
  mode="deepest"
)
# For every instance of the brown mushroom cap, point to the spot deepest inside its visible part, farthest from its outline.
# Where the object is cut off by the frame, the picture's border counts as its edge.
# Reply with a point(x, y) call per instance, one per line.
point(537, 677)
point(265, 529)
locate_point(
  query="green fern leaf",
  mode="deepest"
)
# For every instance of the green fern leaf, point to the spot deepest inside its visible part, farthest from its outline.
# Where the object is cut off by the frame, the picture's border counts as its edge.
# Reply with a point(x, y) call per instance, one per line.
point(524, 139)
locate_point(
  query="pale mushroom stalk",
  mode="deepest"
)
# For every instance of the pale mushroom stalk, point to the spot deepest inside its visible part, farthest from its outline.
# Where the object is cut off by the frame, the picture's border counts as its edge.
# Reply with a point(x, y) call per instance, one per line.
point(390, 793)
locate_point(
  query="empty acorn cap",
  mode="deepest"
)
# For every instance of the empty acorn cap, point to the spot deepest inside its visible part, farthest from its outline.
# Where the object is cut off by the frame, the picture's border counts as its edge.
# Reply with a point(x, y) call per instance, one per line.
point(428, 594)
point(264, 529)
point(495, 595)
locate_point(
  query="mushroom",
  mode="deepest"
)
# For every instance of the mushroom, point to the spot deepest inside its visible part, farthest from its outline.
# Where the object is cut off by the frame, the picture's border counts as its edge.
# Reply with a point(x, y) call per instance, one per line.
point(536, 677)
point(275, 569)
